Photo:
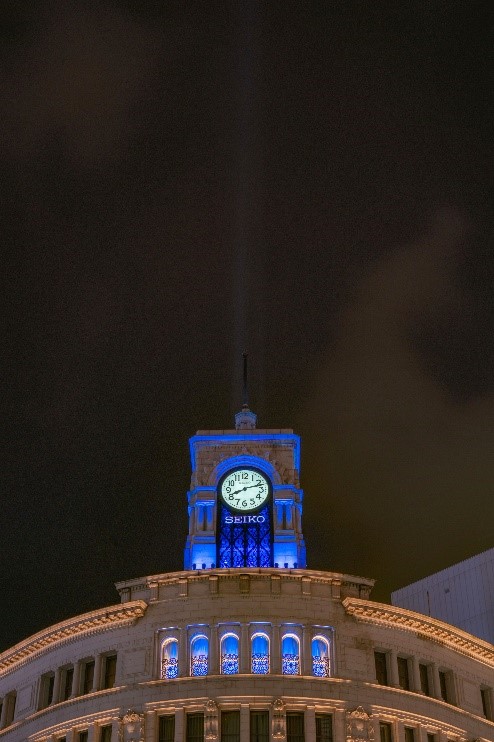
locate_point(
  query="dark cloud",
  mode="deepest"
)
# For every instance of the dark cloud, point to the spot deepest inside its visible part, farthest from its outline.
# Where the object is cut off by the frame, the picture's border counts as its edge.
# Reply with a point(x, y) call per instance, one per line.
point(403, 465)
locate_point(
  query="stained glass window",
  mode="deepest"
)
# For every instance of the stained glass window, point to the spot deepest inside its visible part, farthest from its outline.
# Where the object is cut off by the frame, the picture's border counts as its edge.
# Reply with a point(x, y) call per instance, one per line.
point(290, 655)
point(169, 660)
point(260, 654)
point(246, 544)
point(320, 657)
point(229, 654)
point(199, 656)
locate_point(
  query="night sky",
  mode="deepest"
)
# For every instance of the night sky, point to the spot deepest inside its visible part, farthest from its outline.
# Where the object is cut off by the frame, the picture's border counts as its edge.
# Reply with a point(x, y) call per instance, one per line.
point(311, 183)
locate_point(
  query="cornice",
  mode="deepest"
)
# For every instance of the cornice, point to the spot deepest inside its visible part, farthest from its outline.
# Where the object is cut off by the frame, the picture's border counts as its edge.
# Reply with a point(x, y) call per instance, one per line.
point(424, 627)
point(86, 624)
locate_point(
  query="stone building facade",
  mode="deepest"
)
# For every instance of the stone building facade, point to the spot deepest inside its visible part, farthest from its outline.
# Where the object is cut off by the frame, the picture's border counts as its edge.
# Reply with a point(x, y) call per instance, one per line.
point(247, 653)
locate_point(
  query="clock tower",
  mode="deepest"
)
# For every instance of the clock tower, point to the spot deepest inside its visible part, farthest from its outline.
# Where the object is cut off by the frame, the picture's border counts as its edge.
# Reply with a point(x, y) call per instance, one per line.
point(245, 501)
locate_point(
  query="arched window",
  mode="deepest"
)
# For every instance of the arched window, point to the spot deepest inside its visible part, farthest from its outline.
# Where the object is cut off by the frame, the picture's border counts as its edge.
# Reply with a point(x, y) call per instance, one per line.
point(169, 659)
point(290, 655)
point(229, 654)
point(259, 654)
point(199, 651)
point(320, 657)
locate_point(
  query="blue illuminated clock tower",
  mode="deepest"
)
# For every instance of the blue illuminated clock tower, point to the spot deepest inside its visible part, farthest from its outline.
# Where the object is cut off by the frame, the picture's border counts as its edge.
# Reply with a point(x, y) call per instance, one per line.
point(245, 501)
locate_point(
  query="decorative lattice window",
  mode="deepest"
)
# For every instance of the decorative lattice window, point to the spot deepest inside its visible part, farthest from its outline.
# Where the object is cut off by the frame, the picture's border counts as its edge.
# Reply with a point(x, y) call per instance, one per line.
point(290, 655)
point(245, 544)
point(169, 660)
point(229, 654)
point(199, 652)
point(320, 657)
point(260, 654)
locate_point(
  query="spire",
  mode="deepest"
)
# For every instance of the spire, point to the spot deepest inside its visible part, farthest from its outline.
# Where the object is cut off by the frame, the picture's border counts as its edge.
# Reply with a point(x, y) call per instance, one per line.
point(245, 419)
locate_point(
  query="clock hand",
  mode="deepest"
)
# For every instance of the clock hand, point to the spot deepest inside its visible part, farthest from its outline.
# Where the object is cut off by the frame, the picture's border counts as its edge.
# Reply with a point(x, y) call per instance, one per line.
point(242, 489)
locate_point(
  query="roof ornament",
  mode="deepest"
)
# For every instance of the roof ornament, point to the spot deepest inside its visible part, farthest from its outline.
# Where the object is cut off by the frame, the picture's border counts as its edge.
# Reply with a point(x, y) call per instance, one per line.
point(245, 419)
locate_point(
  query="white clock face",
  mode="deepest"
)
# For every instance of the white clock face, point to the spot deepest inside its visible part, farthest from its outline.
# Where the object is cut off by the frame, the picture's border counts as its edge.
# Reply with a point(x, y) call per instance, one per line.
point(244, 489)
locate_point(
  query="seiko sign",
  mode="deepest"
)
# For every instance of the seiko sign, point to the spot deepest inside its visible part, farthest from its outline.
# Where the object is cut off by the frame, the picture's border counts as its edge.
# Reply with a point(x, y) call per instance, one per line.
point(245, 519)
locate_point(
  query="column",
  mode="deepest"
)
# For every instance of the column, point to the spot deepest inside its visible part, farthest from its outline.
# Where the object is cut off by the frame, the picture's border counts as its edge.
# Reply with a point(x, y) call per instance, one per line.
point(436, 684)
point(244, 722)
point(306, 667)
point(244, 666)
point(416, 676)
point(92, 733)
point(310, 723)
point(393, 669)
point(56, 686)
point(339, 731)
point(97, 672)
point(214, 652)
point(183, 668)
point(275, 651)
point(76, 679)
point(179, 725)
point(150, 732)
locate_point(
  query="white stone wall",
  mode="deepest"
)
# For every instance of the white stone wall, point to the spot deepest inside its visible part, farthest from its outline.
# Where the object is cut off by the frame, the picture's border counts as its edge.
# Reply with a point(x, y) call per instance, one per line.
point(302, 602)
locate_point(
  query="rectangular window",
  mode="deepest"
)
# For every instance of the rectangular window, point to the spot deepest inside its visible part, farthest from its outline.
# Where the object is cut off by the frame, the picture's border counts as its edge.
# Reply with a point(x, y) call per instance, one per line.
point(381, 668)
point(88, 677)
point(105, 733)
point(230, 726)
point(166, 729)
point(324, 728)
point(82, 737)
point(110, 671)
point(9, 702)
point(446, 687)
point(486, 696)
point(409, 734)
point(403, 674)
point(46, 690)
point(67, 679)
point(195, 728)
point(295, 726)
point(385, 732)
point(431, 737)
point(259, 726)
point(424, 680)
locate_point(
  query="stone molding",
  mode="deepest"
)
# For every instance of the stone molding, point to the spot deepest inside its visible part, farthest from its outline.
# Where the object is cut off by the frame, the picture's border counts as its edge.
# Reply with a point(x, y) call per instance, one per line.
point(424, 627)
point(103, 619)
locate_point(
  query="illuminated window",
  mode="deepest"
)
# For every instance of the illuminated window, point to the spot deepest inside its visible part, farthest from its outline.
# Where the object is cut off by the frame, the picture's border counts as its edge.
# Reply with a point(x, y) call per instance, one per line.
point(324, 728)
point(290, 655)
point(110, 671)
point(169, 660)
point(320, 657)
point(166, 729)
point(260, 654)
point(229, 654)
point(199, 650)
